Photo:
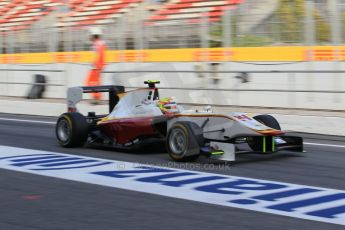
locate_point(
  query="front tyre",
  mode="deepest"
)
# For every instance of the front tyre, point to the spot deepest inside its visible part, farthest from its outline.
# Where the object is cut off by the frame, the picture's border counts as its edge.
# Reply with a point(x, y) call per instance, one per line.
point(268, 120)
point(71, 130)
point(184, 141)
point(256, 143)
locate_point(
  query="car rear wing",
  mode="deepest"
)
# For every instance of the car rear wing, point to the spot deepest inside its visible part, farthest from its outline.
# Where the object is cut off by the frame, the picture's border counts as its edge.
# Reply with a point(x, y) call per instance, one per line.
point(75, 95)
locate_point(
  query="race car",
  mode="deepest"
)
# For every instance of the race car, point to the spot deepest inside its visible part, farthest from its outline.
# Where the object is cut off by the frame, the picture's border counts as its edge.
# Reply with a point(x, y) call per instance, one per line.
point(141, 117)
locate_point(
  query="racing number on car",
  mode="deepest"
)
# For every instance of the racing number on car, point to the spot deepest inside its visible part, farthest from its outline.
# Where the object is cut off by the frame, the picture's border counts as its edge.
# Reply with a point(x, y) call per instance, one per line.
point(243, 118)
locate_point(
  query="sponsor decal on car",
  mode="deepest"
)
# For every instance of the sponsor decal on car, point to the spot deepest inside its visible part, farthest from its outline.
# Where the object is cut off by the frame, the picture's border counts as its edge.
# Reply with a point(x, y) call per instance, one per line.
point(300, 201)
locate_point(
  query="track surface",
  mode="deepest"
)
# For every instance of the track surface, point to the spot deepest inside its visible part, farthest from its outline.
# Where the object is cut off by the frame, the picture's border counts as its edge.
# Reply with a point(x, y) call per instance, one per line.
point(36, 202)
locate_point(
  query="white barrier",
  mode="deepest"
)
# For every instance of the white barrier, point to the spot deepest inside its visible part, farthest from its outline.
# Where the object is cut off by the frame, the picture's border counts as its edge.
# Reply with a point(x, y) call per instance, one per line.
point(75, 75)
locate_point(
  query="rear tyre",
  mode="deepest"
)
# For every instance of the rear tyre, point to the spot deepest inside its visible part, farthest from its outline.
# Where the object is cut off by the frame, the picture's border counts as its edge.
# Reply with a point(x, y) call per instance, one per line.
point(256, 143)
point(184, 140)
point(71, 130)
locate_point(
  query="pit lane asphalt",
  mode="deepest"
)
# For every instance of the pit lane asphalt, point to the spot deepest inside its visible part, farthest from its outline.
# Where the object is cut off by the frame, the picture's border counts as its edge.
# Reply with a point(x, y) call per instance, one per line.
point(36, 202)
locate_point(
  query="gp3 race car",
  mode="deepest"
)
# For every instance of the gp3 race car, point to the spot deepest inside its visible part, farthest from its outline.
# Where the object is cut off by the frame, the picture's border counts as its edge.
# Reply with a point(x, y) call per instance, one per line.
point(140, 117)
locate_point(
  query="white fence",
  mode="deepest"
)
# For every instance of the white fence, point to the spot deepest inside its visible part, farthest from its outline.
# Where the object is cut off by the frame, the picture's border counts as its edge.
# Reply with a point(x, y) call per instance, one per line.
point(290, 85)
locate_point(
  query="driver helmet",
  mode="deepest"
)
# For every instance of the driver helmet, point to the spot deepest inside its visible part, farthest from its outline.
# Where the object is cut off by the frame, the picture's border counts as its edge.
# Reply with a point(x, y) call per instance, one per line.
point(167, 105)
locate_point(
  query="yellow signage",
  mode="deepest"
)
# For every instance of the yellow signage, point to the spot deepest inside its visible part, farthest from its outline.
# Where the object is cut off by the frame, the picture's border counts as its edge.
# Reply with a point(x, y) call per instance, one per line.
point(248, 54)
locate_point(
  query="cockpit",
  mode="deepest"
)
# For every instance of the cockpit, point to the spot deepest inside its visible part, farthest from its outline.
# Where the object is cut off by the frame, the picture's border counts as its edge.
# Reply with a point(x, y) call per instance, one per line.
point(143, 102)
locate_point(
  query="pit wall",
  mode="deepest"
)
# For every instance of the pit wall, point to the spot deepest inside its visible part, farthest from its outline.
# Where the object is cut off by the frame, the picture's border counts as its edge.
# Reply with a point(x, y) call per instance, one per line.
point(76, 66)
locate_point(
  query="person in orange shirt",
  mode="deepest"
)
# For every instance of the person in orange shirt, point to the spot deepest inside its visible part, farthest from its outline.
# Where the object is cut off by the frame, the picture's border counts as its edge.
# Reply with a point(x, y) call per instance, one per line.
point(94, 75)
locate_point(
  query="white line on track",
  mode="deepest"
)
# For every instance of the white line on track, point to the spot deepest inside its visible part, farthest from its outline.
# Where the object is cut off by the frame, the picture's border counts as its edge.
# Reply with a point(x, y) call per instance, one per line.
point(326, 145)
point(51, 122)
point(27, 121)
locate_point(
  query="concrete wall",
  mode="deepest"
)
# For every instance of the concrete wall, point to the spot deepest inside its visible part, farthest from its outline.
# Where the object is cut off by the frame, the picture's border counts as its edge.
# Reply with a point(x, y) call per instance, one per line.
point(75, 75)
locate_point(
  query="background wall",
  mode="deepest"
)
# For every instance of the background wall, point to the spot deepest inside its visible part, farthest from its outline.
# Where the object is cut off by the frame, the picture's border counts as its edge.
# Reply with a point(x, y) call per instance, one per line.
point(75, 74)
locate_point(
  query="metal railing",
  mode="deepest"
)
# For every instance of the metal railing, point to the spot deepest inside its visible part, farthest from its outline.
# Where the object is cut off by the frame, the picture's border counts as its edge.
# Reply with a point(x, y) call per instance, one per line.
point(250, 24)
point(7, 70)
point(291, 73)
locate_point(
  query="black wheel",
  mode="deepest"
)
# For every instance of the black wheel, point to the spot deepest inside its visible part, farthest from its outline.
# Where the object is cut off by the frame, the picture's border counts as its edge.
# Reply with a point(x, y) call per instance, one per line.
point(268, 120)
point(71, 130)
point(184, 141)
point(255, 143)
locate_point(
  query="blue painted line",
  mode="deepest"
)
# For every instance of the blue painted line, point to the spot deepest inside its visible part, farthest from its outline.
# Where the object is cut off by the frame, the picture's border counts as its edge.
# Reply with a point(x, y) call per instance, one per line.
point(69, 163)
point(244, 201)
point(277, 196)
point(178, 183)
point(131, 173)
point(328, 212)
point(28, 155)
point(72, 167)
point(37, 158)
point(43, 162)
point(291, 206)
